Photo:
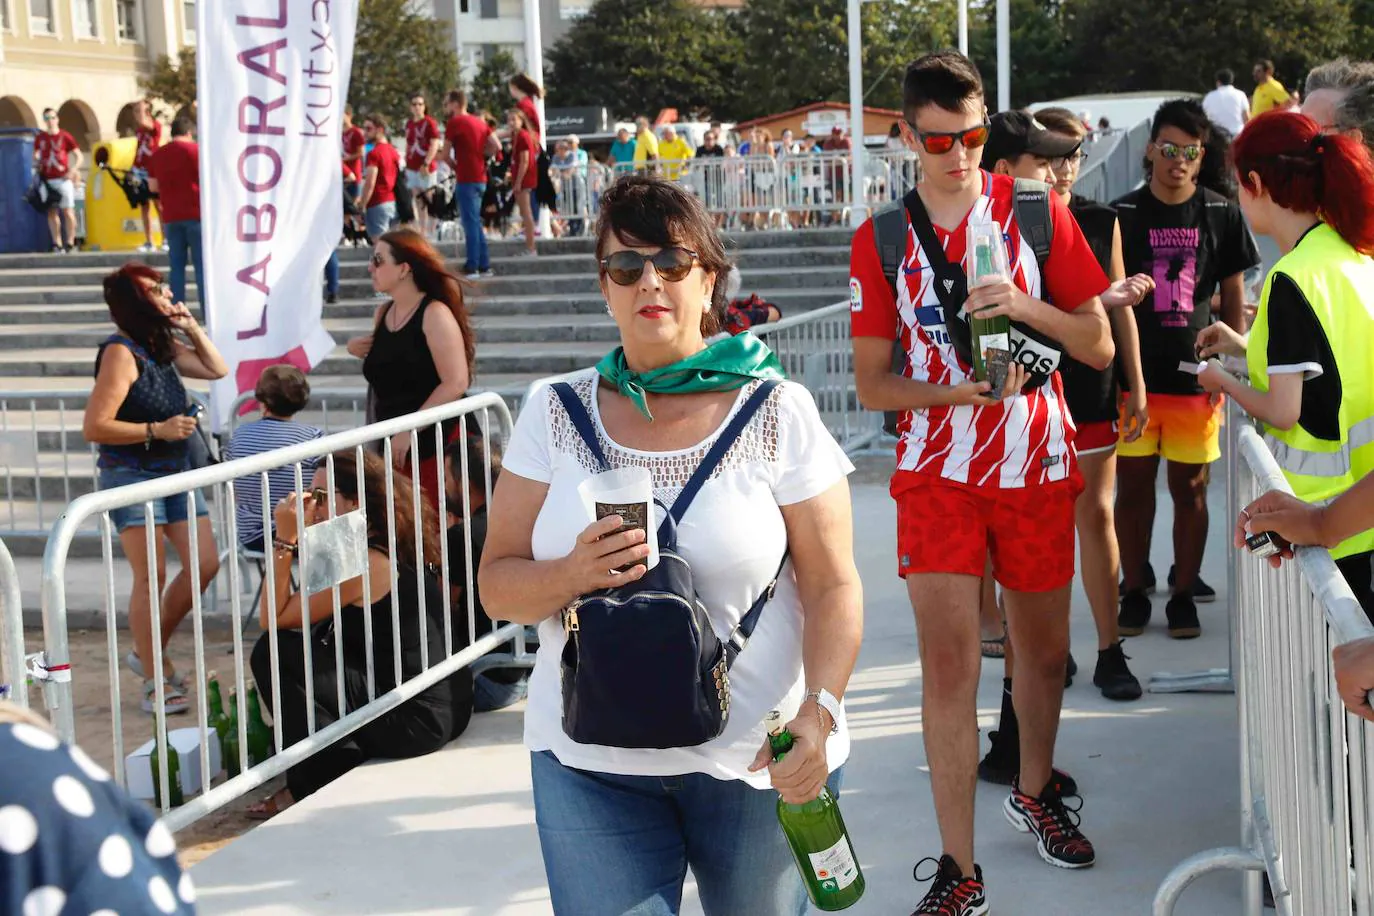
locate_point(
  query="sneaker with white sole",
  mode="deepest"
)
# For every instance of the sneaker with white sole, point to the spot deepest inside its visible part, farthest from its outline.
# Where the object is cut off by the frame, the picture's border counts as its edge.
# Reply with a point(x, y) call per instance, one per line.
point(951, 892)
point(1054, 825)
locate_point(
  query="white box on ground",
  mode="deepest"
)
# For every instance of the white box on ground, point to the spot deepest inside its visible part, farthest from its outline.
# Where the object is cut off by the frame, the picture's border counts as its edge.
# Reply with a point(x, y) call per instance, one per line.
point(187, 744)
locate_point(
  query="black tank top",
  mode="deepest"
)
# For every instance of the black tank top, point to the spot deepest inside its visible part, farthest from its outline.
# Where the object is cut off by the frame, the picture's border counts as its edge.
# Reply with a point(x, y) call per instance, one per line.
point(400, 371)
point(156, 395)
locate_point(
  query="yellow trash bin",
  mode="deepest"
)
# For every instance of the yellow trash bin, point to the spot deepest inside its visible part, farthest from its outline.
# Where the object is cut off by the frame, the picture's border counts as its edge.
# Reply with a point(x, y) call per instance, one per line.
point(111, 224)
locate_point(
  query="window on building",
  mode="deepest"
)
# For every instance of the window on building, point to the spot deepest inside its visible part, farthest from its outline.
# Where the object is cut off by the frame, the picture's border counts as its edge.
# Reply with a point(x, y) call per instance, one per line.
point(85, 19)
point(40, 16)
point(188, 14)
point(128, 21)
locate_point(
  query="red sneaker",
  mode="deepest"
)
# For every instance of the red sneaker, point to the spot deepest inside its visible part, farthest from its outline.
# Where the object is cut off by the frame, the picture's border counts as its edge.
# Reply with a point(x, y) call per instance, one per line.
point(951, 893)
point(1054, 824)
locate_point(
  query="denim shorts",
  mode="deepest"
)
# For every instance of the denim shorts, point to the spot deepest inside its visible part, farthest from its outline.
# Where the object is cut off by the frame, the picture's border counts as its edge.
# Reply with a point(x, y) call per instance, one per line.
point(167, 510)
point(379, 219)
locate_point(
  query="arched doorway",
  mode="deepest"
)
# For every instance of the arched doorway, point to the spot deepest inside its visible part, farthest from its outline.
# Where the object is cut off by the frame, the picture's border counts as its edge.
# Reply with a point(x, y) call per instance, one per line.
point(124, 123)
point(15, 112)
point(77, 119)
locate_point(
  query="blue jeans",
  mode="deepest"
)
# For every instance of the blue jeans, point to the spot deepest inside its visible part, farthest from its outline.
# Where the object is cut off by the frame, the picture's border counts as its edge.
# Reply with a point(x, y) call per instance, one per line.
point(167, 510)
point(623, 844)
point(470, 214)
point(331, 272)
point(183, 236)
point(379, 219)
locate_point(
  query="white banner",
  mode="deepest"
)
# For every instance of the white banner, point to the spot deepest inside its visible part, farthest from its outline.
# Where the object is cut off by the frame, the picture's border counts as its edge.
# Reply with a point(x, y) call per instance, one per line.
point(271, 85)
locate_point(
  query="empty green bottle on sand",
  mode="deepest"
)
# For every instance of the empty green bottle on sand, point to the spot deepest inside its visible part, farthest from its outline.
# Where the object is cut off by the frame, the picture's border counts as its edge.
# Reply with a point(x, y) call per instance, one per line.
point(820, 844)
point(173, 774)
point(219, 721)
point(259, 735)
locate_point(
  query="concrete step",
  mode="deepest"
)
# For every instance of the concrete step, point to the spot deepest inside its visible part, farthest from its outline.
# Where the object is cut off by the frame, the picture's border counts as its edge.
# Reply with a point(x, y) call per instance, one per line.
point(62, 274)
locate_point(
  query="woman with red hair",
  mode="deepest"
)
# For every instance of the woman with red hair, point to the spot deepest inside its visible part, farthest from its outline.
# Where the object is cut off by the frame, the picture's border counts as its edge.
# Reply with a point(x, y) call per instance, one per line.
point(421, 350)
point(1311, 383)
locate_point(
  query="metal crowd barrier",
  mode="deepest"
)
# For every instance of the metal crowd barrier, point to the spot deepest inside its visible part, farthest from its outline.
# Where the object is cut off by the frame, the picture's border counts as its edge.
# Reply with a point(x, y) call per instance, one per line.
point(322, 562)
point(1306, 765)
point(13, 682)
point(1119, 169)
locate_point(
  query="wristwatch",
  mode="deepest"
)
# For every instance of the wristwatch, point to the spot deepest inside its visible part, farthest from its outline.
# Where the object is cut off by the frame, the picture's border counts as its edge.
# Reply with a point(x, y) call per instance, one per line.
point(826, 700)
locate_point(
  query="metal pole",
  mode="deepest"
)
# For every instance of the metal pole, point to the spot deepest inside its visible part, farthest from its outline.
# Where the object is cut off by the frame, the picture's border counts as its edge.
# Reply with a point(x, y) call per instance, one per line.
point(534, 56)
point(858, 211)
point(963, 27)
point(1003, 55)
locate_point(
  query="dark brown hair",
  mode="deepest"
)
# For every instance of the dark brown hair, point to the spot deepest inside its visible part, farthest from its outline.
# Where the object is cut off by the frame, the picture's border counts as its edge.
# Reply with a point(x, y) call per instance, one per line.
point(378, 121)
point(374, 501)
point(525, 84)
point(458, 97)
point(136, 314)
point(283, 390)
point(1062, 121)
point(642, 211)
point(434, 280)
point(946, 79)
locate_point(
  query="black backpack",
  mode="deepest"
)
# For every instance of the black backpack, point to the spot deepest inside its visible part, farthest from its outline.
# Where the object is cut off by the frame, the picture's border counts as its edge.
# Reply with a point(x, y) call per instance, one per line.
point(405, 199)
point(1031, 209)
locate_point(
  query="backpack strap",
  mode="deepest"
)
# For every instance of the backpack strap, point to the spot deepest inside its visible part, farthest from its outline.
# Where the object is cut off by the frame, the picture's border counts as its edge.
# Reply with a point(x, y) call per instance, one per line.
point(724, 442)
point(889, 238)
point(739, 636)
point(581, 420)
point(1030, 202)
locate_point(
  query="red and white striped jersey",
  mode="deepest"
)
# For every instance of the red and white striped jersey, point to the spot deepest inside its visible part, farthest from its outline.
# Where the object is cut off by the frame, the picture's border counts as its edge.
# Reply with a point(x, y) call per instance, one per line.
point(1025, 441)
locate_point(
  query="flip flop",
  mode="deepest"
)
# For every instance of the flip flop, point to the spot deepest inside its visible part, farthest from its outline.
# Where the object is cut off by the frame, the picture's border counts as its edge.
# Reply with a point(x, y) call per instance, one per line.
point(174, 699)
point(995, 646)
point(181, 681)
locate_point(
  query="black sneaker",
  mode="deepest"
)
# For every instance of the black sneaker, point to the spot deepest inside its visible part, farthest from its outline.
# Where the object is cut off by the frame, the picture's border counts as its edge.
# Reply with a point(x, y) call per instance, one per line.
point(1113, 676)
point(1148, 584)
point(1202, 592)
point(1002, 763)
point(1054, 824)
point(951, 894)
point(1070, 670)
point(1135, 613)
point(1182, 615)
point(331, 298)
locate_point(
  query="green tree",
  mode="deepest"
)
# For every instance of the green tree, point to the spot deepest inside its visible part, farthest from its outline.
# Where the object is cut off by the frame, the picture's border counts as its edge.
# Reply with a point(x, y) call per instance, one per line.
point(173, 84)
point(399, 50)
point(490, 86)
point(1042, 60)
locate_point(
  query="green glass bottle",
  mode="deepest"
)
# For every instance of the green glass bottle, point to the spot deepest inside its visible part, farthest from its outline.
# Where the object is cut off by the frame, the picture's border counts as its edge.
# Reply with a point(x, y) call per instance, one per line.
point(229, 745)
point(991, 336)
point(219, 721)
point(820, 844)
point(259, 735)
point(173, 774)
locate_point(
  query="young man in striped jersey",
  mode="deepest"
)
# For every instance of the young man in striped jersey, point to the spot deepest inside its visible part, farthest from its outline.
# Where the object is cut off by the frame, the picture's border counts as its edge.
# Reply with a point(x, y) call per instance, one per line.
point(980, 474)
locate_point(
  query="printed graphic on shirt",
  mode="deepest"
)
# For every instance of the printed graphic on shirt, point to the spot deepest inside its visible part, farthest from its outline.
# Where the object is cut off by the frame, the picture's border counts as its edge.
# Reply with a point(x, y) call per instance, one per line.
point(856, 295)
point(1174, 268)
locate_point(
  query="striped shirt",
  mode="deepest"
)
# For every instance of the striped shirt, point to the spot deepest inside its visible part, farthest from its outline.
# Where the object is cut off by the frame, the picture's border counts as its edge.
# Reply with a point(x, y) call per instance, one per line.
point(254, 439)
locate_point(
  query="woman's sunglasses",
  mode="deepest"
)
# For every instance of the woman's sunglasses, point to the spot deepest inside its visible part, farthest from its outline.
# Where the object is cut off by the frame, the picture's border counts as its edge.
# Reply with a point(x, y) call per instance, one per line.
point(937, 143)
point(1190, 153)
point(626, 267)
point(377, 260)
point(320, 495)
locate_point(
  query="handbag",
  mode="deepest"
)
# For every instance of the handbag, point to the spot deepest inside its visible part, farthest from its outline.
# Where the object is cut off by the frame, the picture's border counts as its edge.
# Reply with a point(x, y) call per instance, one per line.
point(642, 666)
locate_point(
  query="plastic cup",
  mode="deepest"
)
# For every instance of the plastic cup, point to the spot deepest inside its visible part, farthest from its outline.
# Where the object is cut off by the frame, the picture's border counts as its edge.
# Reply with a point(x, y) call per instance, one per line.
point(629, 493)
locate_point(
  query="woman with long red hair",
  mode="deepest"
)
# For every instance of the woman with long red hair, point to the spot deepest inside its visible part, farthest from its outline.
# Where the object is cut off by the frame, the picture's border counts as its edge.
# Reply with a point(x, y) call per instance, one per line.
point(421, 350)
point(1311, 383)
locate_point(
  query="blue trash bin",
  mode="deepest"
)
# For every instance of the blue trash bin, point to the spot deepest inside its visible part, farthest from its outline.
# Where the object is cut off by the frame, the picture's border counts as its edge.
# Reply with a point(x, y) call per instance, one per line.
point(21, 227)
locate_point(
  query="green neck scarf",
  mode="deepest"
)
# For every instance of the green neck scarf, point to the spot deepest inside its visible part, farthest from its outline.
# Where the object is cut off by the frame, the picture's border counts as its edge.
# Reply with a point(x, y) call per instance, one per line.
point(726, 365)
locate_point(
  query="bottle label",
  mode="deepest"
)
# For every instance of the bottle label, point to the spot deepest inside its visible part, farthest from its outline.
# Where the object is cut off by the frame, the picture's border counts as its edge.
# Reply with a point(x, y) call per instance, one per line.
point(835, 868)
point(994, 342)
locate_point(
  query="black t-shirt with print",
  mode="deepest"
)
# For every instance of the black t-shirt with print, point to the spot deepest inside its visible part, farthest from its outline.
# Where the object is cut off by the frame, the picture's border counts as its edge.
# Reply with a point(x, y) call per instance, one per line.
point(710, 151)
point(1188, 249)
point(1297, 343)
point(1091, 393)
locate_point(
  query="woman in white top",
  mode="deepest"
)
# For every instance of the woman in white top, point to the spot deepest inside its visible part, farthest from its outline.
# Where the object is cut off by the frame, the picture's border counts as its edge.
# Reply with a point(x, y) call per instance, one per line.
point(619, 826)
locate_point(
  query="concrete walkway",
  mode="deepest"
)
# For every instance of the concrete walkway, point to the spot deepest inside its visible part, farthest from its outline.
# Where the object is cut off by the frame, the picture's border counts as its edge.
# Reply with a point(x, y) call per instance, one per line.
point(454, 832)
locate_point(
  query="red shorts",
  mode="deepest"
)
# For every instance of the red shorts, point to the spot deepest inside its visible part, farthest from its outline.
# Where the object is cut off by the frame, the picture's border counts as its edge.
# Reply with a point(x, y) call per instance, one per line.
point(949, 527)
point(1097, 437)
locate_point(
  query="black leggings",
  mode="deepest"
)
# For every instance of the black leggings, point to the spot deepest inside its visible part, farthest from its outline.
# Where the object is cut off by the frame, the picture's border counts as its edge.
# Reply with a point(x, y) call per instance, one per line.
point(1358, 570)
point(417, 727)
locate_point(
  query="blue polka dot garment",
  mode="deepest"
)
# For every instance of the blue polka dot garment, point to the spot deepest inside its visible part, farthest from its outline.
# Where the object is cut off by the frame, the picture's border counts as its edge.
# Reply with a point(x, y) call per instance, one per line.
point(72, 843)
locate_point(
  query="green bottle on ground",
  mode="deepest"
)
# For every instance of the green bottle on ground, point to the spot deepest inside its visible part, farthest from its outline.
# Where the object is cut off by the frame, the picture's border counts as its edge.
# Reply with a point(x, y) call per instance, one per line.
point(173, 774)
point(820, 844)
point(231, 745)
point(219, 721)
point(259, 735)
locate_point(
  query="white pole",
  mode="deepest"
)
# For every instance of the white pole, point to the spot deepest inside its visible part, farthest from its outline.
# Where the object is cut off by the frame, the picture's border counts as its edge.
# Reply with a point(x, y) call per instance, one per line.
point(534, 56)
point(1003, 55)
point(858, 211)
point(963, 27)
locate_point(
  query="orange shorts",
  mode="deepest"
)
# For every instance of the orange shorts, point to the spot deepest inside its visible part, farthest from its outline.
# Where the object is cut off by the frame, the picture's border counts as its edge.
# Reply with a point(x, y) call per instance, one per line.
point(949, 527)
point(1184, 428)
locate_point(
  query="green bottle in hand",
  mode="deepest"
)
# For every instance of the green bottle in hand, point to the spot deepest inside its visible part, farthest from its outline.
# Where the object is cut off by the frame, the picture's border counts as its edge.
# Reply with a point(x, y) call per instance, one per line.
point(260, 745)
point(820, 844)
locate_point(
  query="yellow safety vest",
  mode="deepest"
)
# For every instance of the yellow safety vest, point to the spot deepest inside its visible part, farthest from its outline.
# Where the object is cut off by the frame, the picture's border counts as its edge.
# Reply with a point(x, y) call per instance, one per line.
point(1338, 282)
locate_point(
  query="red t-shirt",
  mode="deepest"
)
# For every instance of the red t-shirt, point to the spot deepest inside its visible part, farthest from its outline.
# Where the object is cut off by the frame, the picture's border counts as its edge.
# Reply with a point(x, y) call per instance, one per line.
point(531, 111)
point(525, 142)
point(176, 167)
point(353, 144)
point(1026, 441)
point(148, 143)
point(52, 151)
point(419, 135)
point(468, 134)
point(387, 162)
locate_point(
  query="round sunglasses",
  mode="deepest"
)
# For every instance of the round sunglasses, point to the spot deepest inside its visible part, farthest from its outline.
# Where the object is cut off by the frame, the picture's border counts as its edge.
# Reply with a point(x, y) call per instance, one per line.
point(626, 267)
point(1190, 153)
point(937, 143)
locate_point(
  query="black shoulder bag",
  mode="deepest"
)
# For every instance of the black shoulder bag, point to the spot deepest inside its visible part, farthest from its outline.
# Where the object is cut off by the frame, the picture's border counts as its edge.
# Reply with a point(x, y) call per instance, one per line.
point(642, 666)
